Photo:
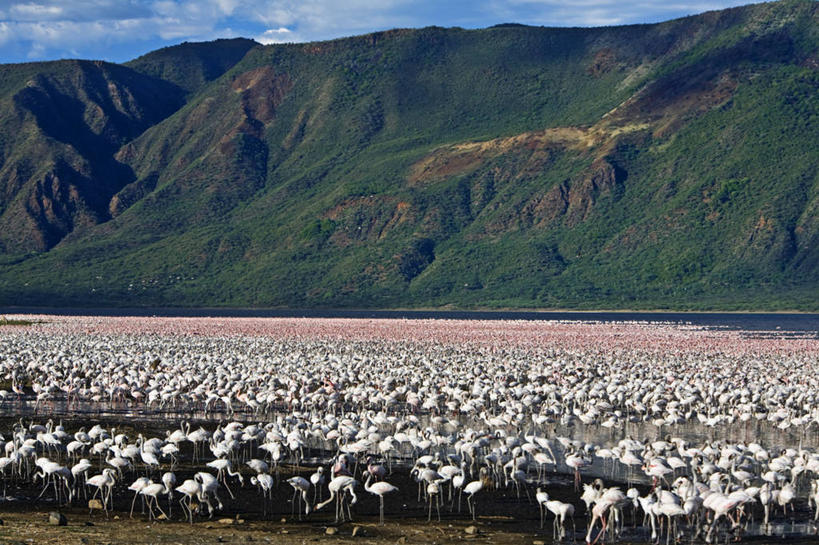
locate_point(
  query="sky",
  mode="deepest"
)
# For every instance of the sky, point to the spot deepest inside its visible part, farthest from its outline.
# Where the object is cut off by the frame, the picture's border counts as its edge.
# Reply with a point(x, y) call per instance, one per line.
point(120, 30)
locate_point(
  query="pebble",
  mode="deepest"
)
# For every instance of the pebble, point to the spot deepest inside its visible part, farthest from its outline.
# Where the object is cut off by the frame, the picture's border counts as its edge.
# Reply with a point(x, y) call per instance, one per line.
point(57, 519)
point(358, 530)
point(472, 530)
point(538, 542)
point(94, 504)
point(226, 521)
point(331, 531)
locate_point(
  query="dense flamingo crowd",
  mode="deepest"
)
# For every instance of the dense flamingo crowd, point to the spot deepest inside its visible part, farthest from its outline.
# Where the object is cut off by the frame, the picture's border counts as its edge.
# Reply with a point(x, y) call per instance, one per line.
point(462, 403)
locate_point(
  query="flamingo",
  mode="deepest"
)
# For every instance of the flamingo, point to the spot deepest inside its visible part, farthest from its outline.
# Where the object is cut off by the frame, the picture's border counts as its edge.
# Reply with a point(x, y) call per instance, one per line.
point(265, 482)
point(560, 510)
point(577, 462)
point(136, 486)
point(380, 489)
point(224, 469)
point(339, 486)
point(317, 480)
point(104, 483)
point(541, 497)
point(169, 480)
point(299, 484)
point(189, 488)
point(433, 495)
point(473, 488)
point(152, 491)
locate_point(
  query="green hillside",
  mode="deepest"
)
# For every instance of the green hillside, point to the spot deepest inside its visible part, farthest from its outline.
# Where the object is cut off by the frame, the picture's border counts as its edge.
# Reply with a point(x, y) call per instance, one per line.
point(651, 166)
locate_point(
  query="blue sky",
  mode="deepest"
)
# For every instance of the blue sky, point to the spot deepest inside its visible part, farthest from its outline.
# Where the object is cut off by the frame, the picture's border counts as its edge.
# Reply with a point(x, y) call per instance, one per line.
point(119, 30)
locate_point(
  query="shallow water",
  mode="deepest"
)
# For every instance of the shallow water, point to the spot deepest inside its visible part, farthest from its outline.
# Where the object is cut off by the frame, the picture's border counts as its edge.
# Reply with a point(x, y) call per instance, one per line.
point(756, 323)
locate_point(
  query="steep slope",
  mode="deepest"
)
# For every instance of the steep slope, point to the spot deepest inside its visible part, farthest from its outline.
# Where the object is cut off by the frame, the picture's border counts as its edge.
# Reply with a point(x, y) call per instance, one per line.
point(641, 166)
point(192, 65)
point(60, 124)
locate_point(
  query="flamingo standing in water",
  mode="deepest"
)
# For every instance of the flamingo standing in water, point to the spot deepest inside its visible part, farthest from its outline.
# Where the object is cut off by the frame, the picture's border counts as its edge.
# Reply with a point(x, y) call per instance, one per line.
point(577, 462)
point(541, 497)
point(189, 489)
point(339, 486)
point(380, 489)
point(317, 480)
point(169, 480)
point(473, 488)
point(299, 484)
point(137, 486)
point(152, 491)
point(104, 483)
point(560, 510)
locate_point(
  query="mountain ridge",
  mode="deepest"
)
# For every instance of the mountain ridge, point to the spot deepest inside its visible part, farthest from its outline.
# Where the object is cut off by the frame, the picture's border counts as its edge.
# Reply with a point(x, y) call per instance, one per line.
point(503, 167)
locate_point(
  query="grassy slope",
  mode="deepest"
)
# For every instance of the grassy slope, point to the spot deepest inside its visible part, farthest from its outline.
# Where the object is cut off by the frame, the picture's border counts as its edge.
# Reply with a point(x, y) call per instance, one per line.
point(318, 202)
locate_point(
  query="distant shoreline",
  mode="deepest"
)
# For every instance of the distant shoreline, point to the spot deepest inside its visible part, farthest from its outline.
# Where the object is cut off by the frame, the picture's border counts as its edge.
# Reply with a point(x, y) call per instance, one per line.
point(758, 321)
point(264, 311)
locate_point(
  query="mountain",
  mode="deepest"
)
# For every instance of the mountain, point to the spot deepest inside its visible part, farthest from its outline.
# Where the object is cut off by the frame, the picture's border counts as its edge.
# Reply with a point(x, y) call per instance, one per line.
point(649, 166)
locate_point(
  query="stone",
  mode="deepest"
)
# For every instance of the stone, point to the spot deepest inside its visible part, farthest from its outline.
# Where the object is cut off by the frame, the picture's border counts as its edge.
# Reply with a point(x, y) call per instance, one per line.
point(162, 516)
point(358, 531)
point(57, 519)
point(402, 540)
point(538, 542)
point(226, 521)
point(331, 531)
point(472, 530)
point(94, 504)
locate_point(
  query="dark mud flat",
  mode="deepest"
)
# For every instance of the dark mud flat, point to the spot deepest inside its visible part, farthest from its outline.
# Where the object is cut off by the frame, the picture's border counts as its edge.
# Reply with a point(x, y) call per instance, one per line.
point(503, 517)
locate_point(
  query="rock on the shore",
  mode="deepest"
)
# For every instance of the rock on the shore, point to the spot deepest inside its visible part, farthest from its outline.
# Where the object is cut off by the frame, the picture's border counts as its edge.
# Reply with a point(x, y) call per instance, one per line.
point(57, 519)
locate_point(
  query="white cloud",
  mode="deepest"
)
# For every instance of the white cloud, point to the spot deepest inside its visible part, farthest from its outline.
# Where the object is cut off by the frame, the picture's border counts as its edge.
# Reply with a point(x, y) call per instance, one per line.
point(34, 12)
point(276, 36)
point(5, 32)
point(227, 6)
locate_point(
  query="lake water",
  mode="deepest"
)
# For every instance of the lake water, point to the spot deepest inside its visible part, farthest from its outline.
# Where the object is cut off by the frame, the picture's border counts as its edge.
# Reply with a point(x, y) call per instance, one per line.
point(803, 324)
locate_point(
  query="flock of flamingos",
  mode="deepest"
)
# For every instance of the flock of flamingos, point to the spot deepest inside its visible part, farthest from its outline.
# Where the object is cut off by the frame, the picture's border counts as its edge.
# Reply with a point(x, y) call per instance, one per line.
point(678, 431)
